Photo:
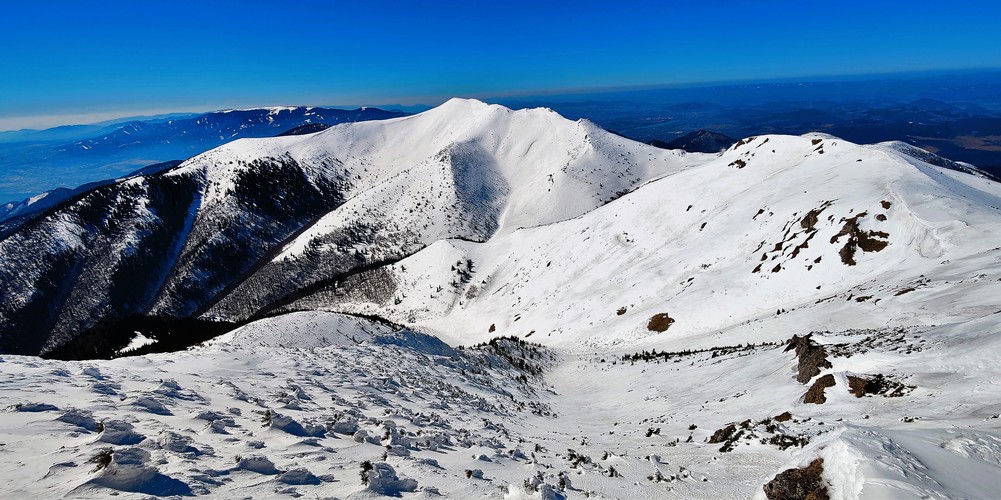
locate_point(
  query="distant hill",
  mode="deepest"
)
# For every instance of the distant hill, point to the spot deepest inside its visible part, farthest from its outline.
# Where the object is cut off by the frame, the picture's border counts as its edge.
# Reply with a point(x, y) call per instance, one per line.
point(33, 162)
point(307, 128)
point(700, 141)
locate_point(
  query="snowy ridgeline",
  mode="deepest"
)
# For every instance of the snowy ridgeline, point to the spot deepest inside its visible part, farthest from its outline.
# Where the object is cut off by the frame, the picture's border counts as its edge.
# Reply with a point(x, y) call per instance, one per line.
point(792, 314)
point(471, 215)
point(323, 405)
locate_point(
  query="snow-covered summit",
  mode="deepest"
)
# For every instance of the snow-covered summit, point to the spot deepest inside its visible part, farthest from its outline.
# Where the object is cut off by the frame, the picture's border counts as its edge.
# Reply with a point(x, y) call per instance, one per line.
point(709, 320)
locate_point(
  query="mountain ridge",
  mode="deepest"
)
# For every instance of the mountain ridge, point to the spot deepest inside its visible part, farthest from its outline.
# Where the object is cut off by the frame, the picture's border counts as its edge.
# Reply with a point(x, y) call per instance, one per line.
point(120, 148)
point(276, 224)
point(479, 302)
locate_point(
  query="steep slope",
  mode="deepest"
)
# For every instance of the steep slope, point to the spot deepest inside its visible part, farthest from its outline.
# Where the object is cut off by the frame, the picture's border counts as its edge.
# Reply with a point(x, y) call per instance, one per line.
point(41, 161)
point(793, 309)
point(775, 223)
point(464, 170)
point(329, 204)
point(109, 252)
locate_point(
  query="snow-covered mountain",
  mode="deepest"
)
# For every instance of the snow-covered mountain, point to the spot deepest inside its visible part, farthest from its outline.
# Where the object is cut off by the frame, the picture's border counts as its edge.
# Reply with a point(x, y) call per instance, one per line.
point(242, 227)
point(706, 321)
point(37, 161)
point(222, 126)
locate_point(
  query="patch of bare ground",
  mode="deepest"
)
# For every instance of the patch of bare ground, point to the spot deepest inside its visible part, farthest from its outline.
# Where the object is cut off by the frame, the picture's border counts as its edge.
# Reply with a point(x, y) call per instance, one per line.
point(815, 394)
point(877, 384)
point(858, 239)
point(806, 483)
point(812, 357)
point(766, 431)
point(659, 323)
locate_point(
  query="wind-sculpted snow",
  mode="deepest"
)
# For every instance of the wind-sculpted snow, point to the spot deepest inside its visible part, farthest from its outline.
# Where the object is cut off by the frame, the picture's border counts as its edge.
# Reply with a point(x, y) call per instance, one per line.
point(300, 414)
point(311, 403)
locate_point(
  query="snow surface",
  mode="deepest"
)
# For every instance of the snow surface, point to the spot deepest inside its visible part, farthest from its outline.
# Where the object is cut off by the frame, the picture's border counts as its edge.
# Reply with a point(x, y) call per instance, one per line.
point(743, 250)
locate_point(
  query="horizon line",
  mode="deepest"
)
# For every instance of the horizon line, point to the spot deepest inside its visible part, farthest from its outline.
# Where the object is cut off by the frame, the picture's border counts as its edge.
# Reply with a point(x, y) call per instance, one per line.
point(109, 117)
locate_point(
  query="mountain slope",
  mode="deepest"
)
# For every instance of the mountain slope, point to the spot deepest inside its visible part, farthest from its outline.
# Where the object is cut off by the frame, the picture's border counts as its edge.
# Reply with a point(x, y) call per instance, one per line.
point(113, 151)
point(711, 322)
point(12, 213)
point(774, 223)
point(356, 195)
point(468, 171)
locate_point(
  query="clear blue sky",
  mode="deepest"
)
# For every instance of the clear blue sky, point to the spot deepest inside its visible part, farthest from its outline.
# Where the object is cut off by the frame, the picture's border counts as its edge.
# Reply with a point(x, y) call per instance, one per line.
point(67, 60)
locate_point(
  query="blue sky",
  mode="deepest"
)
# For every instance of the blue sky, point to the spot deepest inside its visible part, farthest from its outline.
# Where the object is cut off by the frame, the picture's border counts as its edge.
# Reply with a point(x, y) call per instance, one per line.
point(71, 61)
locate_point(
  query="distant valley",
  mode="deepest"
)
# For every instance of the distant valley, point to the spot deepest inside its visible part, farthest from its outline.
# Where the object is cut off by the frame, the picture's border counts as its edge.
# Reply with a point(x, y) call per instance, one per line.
point(33, 162)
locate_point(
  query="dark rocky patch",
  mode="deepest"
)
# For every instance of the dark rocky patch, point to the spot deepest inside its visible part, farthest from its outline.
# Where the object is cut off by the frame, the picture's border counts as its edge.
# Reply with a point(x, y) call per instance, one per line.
point(897, 340)
point(877, 384)
point(858, 239)
point(812, 357)
point(660, 323)
point(107, 337)
point(815, 394)
point(724, 434)
point(799, 484)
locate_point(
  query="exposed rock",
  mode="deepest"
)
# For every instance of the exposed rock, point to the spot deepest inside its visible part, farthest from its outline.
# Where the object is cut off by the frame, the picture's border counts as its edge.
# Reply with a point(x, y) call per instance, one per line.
point(812, 357)
point(867, 241)
point(816, 392)
point(877, 384)
point(660, 323)
point(724, 434)
point(799, 484)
